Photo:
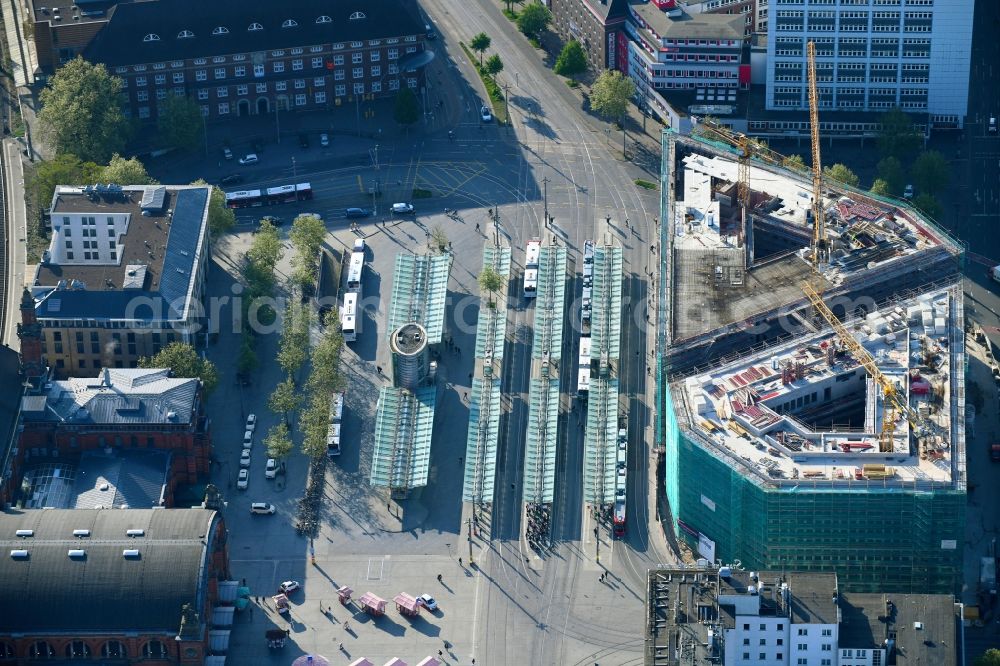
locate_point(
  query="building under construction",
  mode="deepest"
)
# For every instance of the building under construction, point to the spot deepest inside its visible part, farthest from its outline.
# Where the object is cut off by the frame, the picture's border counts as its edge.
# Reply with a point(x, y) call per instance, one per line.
point(810, 404)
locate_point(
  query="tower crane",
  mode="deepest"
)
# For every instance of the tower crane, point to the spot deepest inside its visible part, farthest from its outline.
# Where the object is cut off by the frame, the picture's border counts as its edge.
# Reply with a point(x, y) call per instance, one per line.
point(895, 401)
point(819, 224)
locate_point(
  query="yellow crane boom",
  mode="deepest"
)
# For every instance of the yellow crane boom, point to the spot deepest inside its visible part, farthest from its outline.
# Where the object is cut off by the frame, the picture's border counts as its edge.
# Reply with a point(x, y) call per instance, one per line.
point(894, 399)
point(819, 224)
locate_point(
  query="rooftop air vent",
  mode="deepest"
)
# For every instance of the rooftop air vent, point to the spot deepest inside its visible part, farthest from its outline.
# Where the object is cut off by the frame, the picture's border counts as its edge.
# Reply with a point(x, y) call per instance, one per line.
point(19, 554)
point(25, 533)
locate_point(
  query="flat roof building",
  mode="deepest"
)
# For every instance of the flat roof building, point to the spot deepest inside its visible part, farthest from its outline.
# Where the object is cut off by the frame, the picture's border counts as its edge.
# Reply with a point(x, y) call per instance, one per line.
point(123, 277)
point(783, 446)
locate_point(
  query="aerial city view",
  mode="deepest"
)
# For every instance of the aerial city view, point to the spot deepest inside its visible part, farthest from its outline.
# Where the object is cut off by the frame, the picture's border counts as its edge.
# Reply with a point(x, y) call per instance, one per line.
point(500, 332)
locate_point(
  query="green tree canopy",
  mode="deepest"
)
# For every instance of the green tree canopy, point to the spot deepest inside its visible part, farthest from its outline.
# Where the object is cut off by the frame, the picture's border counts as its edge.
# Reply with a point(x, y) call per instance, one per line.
point(406, 110)
point(325, 376)
point(184, 361)
point(63, 169)
point(126, 172)
point(881, 188)
point(841, 173)
point(494, 65)
point(534, 19)
point(307, 235)
point(262, 258)
point(439, 239)
point(572, 60)
point(180, 122)
point(293, 348)
point(794, 162)
point(278, 442)
point(610, 94)
point(928, 204)
point(479, 44)
point(221, 218)
point(930, 172)
point(891, 171)
point(897, 136)
point(81, 112)
point(490, 281)
point(247, 360)
point(285, 398)
point(314, 422)
point(990, 658)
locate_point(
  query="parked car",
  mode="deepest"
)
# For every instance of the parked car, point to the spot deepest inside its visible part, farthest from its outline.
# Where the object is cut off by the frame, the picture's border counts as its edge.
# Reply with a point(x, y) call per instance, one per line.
point(430, 32)
point(486, 114)
point(250, 158)
point(262, 508)
point(251, 422)
point(231, 179)
point(227, 153)
point(303, 140)
point(271, 219)
point(245, 458)
point(271, 469)
point(248, 439)
point(402, 208)
point(243, 480)
point(289, 586)
point(427, 601)
point(992, 126)
point(324, 139)
point(908, 192)
point(357, 212)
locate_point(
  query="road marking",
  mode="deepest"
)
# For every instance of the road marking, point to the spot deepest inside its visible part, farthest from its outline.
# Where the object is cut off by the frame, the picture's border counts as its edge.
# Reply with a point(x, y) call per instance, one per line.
point(361, 185)
point(372, 562)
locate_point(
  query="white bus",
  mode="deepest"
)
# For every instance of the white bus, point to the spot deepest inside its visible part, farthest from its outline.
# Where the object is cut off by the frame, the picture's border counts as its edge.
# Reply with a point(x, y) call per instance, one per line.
point(349, 317)
point(354, 270)
point(531, 268)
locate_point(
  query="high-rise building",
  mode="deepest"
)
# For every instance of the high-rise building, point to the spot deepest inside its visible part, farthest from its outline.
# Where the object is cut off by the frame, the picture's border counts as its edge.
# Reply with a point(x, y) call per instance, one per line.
point(872, 55)
point(783, 445)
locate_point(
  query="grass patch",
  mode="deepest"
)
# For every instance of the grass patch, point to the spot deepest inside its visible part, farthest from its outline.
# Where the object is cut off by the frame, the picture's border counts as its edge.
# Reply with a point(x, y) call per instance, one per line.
point(510, 13)
point(421, 194)
point(572, 83)
point(16, 123)
point(492, 89)
point(649, 185)
point(534, 42)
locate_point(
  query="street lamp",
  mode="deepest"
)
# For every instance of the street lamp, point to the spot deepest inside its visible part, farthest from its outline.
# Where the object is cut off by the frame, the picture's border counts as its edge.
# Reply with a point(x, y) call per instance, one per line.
point(469, 521)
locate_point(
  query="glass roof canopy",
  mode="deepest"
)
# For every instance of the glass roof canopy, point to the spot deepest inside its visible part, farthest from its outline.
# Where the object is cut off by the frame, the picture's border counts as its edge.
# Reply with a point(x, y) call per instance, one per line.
point(600, 448)
point(419, 292)
point(492, 326)
point(605, 330)
point(542, 438)
point(550, 303)
point(481, 445)
point(404, 422)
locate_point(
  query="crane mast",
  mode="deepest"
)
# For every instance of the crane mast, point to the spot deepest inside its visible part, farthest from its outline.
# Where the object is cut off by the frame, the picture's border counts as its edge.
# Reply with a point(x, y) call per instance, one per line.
point(819, 225)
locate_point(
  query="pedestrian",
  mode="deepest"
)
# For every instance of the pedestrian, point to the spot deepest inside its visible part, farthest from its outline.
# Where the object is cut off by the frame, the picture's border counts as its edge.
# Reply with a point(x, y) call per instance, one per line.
point(460, 561)
point(388, 507)
point(379, 368)
point(439, 578)
point(440, 653)
point(244, 582)
point(347, 626)
point(477, 226)
point(465, 395)
point(341, 647)
point(595, 531)
point(460, 459)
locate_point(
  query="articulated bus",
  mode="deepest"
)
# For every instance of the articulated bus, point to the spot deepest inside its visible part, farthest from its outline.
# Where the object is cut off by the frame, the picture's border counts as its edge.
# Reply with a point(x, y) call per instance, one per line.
point(531, 268)
point(354, 272)
point(349, 317)
point(269, 196)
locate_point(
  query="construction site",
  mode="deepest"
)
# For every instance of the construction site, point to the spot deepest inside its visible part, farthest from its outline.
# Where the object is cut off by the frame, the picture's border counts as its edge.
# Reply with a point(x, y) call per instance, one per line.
point(811, 394)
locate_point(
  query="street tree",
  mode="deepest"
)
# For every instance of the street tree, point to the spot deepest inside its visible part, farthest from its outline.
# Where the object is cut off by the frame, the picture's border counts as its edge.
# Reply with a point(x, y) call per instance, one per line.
point(247, 360)
point(610, 95)
point(63, 169)
point(221, 217)
point(262, 258)
point(479, 44)
point(881, 188)
point(126, 172)
point(285, 399)
point(307, 234)
point(439, 239)
point(490, 281)
point(293, 347)
point(534, 19)
point(183, 361)
point(890, 169)
point(930, 172)
point(406, 110)
point(180, 122)
point(896, 136)
point(928, 204)
point(841, 174)
point(81, 112)
point(493, 66)
point(277, 442)
point(989, 658)
point(572, 60)
point(314, 423)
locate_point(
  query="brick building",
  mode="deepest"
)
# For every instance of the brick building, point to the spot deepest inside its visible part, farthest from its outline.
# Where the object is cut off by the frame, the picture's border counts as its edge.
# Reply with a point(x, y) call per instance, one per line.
point(63, 28)
point(124, 587)
point(239, 59)
point(599, 27)
point(124, 275)
point(122, 411)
